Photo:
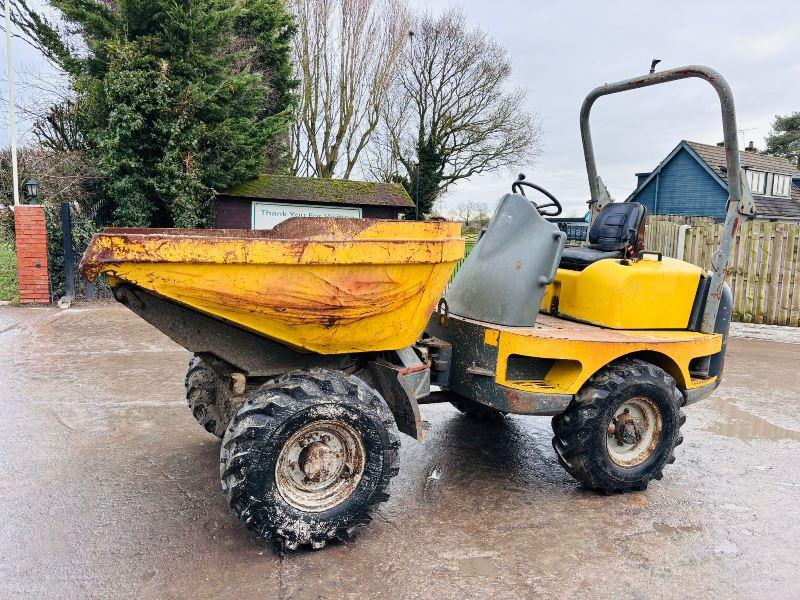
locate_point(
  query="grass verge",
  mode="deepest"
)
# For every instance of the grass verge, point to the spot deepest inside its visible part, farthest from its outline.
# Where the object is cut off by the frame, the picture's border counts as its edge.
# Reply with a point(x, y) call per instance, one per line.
point(9, 288)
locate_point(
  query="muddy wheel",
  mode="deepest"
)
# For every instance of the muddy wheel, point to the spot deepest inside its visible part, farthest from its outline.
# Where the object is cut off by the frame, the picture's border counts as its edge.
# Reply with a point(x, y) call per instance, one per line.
point(203, 395)
point(476, 410)
point(621, 429)
point(308, 457)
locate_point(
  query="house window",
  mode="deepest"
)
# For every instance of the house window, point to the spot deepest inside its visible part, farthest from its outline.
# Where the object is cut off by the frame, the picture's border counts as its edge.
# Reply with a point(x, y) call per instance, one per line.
point(780, 185)
point(757, 181)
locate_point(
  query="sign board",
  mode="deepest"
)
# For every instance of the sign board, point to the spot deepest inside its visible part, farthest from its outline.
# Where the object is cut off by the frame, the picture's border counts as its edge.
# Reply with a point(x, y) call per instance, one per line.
point(268, 214)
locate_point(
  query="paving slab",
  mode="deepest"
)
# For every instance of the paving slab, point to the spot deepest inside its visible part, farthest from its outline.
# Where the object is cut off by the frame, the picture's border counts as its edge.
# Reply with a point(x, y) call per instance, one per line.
point(110, 490)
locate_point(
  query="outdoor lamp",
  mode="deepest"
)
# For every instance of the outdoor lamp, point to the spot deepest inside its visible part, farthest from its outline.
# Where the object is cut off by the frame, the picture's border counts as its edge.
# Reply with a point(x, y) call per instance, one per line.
point(32, 189)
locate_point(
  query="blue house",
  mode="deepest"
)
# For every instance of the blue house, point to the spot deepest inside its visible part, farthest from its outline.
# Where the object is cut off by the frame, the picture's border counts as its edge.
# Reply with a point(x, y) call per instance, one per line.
point(693, 180)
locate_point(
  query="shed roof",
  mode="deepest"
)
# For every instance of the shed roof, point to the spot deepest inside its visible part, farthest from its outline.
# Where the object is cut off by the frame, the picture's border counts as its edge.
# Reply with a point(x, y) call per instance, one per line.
point(336, 191)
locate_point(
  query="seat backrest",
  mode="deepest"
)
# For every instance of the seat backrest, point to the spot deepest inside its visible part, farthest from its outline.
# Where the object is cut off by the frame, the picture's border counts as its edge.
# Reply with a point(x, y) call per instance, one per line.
point(504, 278)
point(617, 226)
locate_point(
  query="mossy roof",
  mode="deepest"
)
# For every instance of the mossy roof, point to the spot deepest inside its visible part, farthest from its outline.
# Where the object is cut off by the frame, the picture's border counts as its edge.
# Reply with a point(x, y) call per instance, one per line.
point(332, 191)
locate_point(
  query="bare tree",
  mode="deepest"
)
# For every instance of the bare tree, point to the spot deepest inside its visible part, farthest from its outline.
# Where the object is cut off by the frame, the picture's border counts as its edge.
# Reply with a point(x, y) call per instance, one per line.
point(346, 55)
point(58, 130)
point(451, 110)
point(471, 212)
point(62, 177)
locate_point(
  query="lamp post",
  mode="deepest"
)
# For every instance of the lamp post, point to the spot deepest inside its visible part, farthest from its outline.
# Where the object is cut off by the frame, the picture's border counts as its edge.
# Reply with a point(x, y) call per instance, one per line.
point(32, 189)
point(12, 123)
point(416, 192)
point(416, 164)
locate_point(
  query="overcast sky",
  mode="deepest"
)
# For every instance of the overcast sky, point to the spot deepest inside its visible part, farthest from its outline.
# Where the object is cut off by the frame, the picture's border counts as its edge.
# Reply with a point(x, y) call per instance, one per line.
point(561, 50)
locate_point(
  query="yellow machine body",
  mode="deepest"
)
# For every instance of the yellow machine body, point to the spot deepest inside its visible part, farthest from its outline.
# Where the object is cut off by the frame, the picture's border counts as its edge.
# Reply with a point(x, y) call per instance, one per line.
point(329, 286)
point(643, 294)
point(575, 351)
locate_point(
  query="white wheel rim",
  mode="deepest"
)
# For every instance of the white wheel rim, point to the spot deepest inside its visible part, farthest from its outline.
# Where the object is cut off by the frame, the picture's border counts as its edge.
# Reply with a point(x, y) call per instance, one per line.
point(634, 432)
point(320, 465)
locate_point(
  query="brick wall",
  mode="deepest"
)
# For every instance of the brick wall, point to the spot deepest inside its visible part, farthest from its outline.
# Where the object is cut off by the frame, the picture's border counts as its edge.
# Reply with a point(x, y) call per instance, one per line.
point(34, 282)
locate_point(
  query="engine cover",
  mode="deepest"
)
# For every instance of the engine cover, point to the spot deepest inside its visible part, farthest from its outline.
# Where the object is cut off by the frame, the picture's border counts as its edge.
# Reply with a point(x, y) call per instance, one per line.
point(627, 294)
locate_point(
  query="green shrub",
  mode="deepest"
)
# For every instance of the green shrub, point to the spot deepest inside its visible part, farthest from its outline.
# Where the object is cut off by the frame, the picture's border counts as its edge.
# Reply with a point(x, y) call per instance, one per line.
point(7, 225)
point(9, 286)
point(9, 289)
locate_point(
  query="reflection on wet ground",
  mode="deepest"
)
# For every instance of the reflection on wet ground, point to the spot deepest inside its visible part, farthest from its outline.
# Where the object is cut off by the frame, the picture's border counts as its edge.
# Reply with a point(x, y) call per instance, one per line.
point(746, 426)
point(111, 490)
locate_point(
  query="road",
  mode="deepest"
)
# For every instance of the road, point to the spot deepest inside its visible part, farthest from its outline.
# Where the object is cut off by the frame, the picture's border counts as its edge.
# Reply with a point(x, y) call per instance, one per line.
point(110, 490)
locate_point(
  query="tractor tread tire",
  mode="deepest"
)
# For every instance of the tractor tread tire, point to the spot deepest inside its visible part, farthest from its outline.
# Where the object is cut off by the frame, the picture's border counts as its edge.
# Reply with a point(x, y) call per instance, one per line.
point(581, 428)
point(256, 435)
point(201, 384)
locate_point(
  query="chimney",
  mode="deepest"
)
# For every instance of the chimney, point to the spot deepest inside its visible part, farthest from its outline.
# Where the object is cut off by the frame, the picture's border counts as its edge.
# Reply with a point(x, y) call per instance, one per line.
point(751, 147)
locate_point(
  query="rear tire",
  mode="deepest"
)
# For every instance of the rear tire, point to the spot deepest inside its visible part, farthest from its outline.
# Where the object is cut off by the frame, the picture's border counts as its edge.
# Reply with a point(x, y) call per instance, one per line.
point(621, 429)
point(203, 394)
point(477, 411)
point(309, 457)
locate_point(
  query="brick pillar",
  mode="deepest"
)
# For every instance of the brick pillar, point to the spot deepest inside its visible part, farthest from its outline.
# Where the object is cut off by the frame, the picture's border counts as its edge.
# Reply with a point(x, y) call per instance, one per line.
point(34, 282)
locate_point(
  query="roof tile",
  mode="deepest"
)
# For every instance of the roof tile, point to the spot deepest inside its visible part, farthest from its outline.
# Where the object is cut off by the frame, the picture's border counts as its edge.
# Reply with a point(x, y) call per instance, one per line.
point(334, 191)
point(774, 207)
point(715, 158)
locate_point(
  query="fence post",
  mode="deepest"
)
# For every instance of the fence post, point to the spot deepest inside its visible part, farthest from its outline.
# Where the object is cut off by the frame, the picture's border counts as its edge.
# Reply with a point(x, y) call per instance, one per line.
point(69, 258)
point(764, 272)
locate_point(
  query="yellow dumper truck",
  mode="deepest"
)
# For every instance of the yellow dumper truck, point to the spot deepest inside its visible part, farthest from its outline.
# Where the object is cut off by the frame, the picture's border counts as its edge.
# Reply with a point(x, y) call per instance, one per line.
point(315, 343)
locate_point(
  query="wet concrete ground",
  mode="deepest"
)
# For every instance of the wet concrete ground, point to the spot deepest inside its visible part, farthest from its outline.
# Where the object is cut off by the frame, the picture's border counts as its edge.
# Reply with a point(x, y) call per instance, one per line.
point(110, 489)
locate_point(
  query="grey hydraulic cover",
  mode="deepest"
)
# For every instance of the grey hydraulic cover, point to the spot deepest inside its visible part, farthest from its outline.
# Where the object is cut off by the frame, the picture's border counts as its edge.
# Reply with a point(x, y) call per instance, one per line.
point(504, 278)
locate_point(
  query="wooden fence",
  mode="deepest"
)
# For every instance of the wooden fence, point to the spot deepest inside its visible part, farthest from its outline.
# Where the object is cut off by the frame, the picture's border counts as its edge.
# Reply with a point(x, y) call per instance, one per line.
point(764, 271)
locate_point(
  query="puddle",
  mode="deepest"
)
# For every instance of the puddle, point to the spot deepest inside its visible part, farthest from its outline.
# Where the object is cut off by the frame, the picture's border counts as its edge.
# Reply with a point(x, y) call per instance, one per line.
point(432, 488)
point(478, 565)
point(742, 425)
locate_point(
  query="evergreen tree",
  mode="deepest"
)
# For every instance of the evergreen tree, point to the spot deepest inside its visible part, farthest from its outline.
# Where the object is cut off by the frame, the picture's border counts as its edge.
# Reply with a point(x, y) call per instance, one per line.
point(431, 167)
point(176, 99)
point(267, 27)
point(784, 139)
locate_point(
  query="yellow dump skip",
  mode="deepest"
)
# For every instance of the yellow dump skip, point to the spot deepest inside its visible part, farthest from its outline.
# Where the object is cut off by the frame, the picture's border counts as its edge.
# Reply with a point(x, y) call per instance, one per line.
point(325, 285)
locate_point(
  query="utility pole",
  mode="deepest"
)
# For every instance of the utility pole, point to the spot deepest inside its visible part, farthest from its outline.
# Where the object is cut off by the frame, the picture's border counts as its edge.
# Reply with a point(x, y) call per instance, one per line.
point(416, 169)
point(12, 120)
point(417, 191)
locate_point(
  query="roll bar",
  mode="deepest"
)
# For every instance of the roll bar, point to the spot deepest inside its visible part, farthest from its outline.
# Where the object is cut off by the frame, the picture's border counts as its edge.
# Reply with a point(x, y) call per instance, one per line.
point(740, 200)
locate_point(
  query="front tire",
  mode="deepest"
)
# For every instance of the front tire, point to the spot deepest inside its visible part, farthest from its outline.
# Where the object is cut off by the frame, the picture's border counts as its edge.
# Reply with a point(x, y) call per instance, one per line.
point(621, 429)
point(309, 457)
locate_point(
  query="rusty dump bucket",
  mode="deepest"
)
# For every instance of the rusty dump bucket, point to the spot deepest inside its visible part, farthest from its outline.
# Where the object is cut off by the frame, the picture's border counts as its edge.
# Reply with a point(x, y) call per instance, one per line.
point(325, 285)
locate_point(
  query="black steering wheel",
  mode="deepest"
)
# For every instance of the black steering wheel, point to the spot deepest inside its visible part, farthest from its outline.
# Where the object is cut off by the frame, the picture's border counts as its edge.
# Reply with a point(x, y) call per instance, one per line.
point(554, 204)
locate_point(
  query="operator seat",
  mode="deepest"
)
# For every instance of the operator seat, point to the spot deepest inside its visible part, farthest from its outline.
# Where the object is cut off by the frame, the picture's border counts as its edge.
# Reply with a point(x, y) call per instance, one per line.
point(615, 233)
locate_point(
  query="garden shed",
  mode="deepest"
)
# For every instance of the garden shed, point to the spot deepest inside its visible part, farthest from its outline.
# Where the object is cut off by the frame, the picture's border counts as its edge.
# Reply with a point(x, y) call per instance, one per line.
point(265, 201)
